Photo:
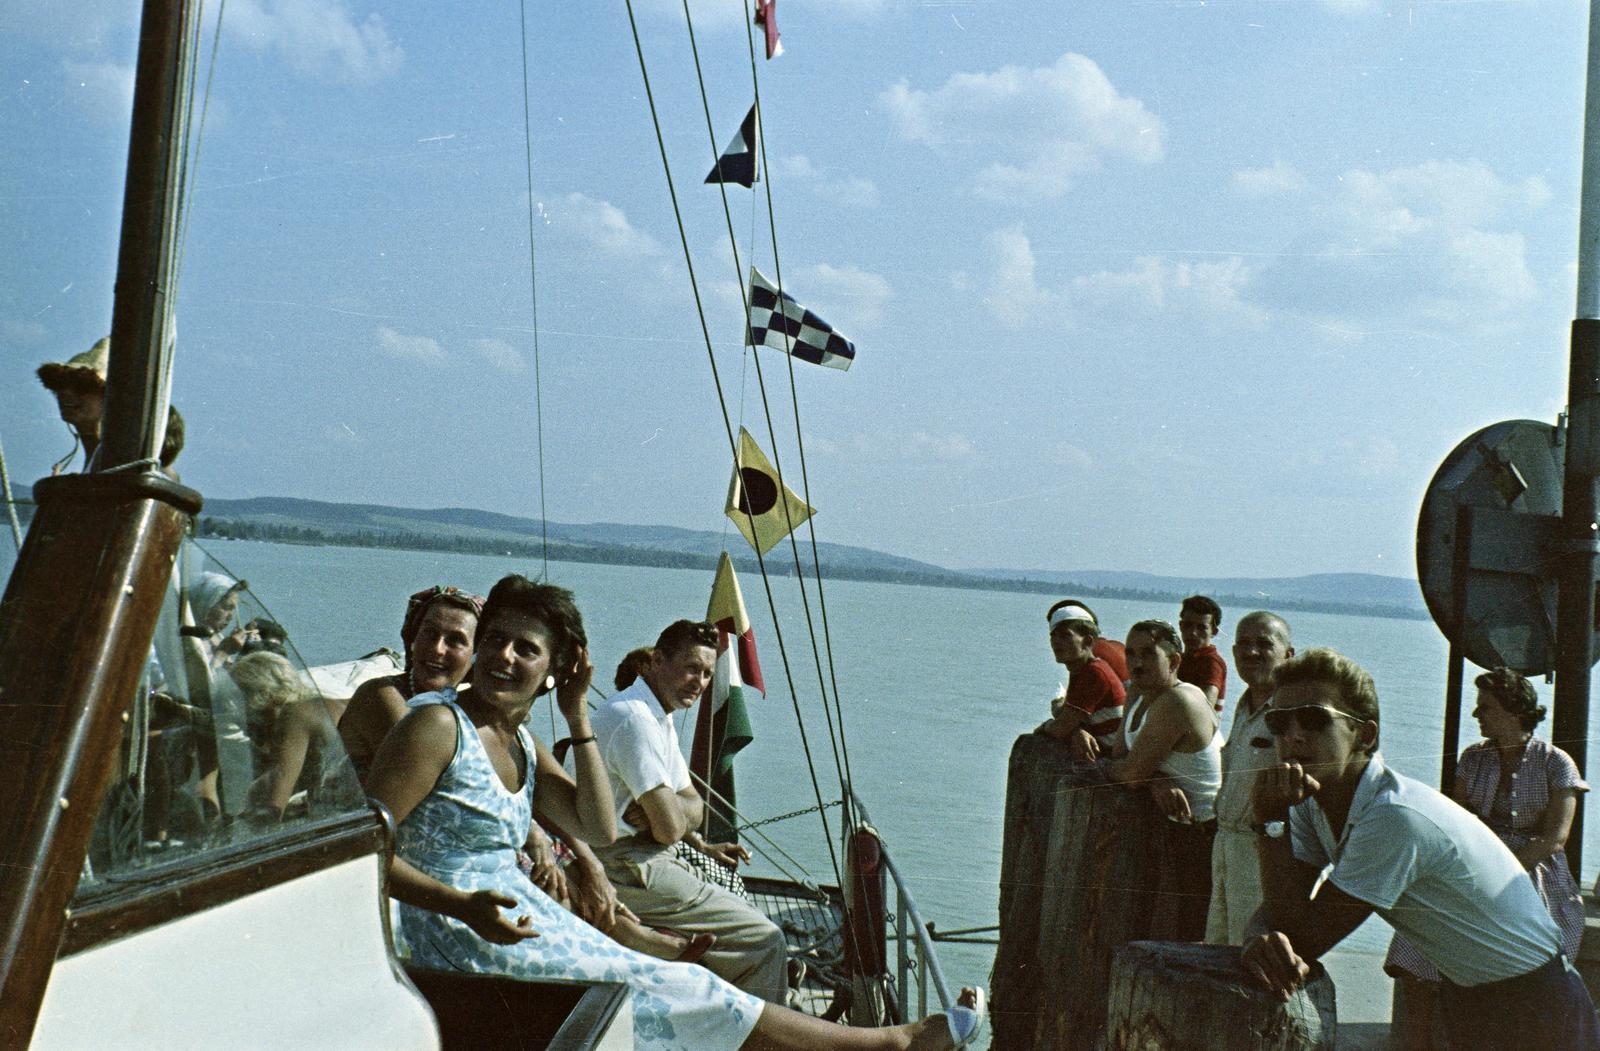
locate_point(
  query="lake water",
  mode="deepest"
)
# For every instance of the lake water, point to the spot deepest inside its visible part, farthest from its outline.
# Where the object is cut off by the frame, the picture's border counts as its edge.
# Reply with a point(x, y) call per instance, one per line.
point(936, 684)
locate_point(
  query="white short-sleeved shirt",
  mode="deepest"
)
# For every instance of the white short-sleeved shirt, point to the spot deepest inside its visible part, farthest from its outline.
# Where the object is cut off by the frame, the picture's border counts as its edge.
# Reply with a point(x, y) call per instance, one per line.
point(1436, 873)
point(639, 745)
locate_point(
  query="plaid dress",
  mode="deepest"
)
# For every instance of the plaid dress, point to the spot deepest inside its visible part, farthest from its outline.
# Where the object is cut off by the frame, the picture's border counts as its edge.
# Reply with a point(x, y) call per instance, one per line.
point(1514, 817)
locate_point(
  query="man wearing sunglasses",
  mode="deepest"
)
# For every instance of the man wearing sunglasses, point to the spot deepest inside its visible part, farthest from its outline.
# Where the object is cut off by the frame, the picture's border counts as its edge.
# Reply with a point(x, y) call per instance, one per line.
point(1342, 836)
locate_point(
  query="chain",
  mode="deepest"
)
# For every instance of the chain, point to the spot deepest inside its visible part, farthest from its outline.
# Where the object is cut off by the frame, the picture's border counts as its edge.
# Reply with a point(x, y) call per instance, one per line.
point(790, 814)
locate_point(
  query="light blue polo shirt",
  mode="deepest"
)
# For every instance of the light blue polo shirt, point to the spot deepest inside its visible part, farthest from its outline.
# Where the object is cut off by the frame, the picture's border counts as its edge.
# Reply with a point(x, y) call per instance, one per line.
point(1436, 873)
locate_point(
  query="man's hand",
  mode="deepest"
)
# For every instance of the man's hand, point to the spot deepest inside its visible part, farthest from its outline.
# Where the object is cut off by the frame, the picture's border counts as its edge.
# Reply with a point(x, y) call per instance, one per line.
point(1277, 788)
point(594, 898)
point(1082, 746)
point(1271, 960)
point(1172, 802)
point(635, 816)
point(728, 855)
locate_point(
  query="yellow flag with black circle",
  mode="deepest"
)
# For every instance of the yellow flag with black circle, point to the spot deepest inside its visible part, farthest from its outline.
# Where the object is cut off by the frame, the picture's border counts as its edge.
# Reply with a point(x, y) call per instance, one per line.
point(760, 505)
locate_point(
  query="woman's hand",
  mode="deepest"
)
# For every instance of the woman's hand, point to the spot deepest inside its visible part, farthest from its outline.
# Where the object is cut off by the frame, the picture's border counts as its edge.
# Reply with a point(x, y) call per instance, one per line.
point(481, 912)
point(573, 691)
point(546, 871)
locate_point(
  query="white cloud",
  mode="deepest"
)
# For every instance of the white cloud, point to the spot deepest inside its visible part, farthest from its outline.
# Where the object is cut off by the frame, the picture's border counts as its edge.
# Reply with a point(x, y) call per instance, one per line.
point(499, 354)
point(28, 333)
point(422, 349)
point(1435, 241)
point(603, 227)
point(851, 191)
point(1013, 294)
point(846, 296)
point(1039, 127)
point(1281, 178)
point(317, 37)
point(103, 90)
point(1211, 289)
point(920, 445)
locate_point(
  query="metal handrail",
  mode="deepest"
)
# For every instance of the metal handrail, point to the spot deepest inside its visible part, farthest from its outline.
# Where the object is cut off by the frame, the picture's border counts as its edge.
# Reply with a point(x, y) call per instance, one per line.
point(916, 931)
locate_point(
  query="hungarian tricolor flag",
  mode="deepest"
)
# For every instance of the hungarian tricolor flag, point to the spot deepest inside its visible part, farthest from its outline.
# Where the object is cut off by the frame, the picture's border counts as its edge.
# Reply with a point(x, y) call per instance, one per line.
point(724, 726)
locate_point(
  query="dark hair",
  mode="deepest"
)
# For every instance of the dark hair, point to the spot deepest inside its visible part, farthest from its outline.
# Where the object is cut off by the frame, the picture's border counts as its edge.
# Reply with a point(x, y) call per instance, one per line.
point(633, 666)
point(681, 634)
point(1514, 693)
point(1357, 693)
point(172, 444)
point(1201, 604)
point(1080, 628)
point(549, 605)
point(1165, 634)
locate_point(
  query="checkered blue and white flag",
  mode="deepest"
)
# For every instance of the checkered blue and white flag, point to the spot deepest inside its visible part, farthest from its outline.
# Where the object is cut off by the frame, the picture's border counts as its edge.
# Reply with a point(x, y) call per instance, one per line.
point(738, 161)
point(781, 323)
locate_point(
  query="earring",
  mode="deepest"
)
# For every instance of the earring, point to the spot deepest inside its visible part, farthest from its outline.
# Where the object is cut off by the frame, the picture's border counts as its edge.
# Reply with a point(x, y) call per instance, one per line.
point(549, 682)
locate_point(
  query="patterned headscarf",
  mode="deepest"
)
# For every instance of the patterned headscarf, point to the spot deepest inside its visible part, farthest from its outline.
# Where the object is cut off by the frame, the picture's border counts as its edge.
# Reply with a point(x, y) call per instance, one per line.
point(417, 607)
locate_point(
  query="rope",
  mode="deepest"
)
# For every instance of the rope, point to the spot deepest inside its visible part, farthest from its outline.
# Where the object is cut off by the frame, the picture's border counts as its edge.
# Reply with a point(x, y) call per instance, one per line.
point(727, 427)
point(533, 294)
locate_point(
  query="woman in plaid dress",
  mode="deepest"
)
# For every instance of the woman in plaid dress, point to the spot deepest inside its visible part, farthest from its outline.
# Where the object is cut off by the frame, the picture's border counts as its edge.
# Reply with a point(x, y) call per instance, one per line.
point(1526, 790)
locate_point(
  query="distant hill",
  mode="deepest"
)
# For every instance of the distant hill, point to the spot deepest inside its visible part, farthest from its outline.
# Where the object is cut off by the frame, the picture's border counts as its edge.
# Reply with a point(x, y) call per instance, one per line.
point(293, 520)
point(1368, 589)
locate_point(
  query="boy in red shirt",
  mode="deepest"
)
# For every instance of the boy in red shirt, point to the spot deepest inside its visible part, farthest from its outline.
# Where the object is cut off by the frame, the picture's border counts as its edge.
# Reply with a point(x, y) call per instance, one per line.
point(1089, 714)
point(1199, 620)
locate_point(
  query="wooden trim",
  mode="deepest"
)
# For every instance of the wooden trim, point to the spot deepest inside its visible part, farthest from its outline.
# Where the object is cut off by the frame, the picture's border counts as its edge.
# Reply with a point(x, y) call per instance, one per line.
point(146, 898)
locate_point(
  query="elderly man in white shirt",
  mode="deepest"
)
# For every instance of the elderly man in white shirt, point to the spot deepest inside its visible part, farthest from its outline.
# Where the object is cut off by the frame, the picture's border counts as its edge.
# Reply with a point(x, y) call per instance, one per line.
point(655, 798)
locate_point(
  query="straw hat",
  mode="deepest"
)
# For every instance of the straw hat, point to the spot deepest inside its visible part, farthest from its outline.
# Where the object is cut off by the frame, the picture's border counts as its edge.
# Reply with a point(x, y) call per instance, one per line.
point(86, 368)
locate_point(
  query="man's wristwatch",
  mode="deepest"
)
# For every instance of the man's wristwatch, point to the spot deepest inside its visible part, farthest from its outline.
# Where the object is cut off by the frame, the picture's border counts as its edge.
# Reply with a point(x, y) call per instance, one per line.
point(1270, 829)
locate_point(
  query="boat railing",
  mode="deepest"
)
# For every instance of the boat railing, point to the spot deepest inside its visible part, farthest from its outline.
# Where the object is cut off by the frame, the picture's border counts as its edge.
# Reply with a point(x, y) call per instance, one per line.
point(916, 953)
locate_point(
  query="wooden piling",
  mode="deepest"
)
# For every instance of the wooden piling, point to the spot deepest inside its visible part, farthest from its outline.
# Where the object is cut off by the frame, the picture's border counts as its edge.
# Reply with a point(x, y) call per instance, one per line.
point(1087, 867)
point(1166, 996)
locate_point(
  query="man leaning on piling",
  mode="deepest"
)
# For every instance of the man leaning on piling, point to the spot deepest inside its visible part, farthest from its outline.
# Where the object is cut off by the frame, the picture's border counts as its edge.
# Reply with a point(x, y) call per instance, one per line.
point(1261, 642)
point(1342, 836)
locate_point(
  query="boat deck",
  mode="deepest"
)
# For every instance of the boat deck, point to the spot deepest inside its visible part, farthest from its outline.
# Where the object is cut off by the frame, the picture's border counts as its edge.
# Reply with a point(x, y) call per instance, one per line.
point(811, 925)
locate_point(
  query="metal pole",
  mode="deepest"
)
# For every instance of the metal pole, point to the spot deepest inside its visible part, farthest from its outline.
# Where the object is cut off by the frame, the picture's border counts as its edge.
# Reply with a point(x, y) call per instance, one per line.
point(1456, 671)
point(137, 374)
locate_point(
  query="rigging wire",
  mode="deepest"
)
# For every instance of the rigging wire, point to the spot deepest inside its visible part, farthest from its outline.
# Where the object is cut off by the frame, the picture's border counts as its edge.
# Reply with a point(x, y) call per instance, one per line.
point(805, 479)
point(533, 295)
point(766, 406)
point(727, 426)
point(11, 503)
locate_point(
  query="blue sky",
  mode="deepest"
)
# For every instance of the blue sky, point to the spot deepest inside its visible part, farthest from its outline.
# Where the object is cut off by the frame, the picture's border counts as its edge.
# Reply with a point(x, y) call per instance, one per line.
point(1189, 288)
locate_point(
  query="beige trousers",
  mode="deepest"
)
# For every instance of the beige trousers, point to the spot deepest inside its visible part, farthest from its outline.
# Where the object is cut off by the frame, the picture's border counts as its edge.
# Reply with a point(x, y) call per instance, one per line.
point(1235, 886)
point(664, 892)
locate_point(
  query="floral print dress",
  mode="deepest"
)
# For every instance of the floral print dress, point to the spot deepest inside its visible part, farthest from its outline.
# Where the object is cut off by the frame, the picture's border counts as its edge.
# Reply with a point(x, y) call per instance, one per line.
point(467, 832)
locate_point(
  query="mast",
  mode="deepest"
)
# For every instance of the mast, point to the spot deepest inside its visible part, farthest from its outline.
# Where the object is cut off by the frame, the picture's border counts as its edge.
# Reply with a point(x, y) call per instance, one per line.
point(1580, 522)
point(81, 606)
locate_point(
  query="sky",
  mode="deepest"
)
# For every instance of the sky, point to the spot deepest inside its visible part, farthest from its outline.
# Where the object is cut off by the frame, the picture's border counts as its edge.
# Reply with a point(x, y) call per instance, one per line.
point(1191, 288)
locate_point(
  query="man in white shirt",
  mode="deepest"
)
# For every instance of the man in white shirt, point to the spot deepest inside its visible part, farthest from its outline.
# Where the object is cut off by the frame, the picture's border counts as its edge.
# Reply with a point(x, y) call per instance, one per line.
point(1261, 642)
point(659, 805)
point(1361, 838)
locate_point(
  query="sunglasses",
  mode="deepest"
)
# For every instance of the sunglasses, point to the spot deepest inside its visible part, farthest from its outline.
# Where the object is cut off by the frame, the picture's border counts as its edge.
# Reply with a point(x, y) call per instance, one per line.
point(1313, 718)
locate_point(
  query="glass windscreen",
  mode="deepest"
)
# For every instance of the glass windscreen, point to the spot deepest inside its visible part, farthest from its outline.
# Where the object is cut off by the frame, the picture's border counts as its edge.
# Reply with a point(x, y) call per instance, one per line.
point(230, 736)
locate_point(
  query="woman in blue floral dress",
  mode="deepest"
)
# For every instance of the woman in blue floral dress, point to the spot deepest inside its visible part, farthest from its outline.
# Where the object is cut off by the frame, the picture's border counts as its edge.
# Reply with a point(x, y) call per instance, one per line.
point(461, 777)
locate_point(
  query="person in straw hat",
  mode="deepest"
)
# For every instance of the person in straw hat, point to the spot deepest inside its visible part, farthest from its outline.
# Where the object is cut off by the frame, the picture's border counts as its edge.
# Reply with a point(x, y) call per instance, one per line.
point(79, 385)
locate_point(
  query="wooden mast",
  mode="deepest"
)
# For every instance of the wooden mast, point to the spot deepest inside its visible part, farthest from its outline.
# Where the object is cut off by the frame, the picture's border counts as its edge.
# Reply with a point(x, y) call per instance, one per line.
point(80, 608)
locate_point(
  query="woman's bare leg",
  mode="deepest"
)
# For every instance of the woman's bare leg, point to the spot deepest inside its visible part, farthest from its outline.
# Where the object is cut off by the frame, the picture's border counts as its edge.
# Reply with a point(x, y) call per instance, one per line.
point(780, 1029)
